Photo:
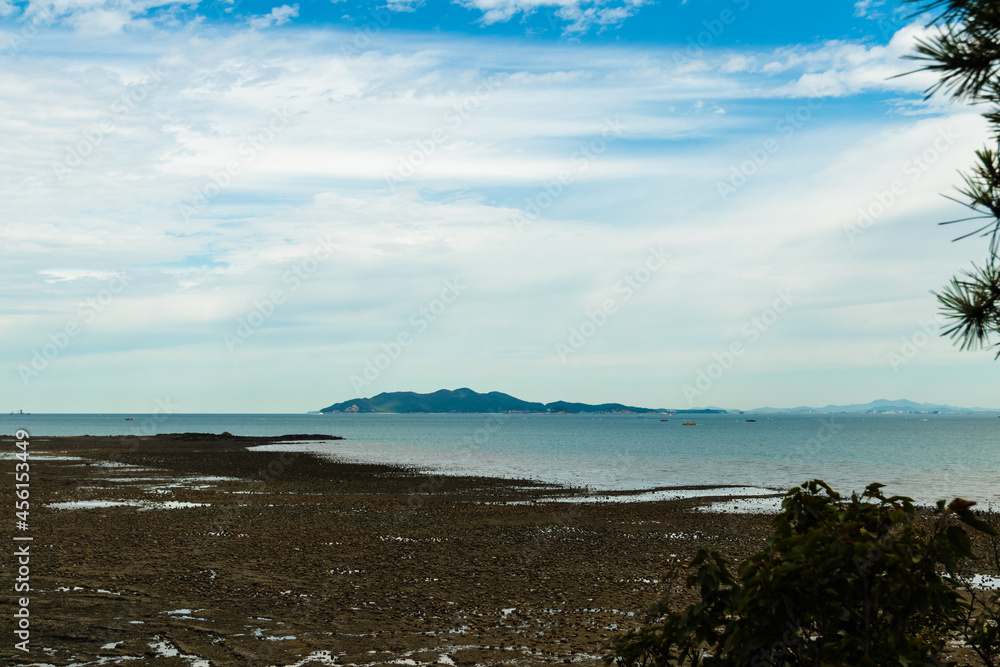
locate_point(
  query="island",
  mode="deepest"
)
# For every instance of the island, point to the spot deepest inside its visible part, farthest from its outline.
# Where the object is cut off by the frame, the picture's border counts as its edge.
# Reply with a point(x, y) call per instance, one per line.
point(468, 401)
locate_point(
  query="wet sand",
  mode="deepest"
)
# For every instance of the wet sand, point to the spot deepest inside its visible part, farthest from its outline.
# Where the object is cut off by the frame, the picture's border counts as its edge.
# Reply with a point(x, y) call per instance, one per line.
point(230, 556)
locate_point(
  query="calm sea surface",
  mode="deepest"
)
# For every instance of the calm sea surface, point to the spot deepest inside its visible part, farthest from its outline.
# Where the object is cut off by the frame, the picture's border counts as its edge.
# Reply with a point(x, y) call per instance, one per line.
point(925, 457)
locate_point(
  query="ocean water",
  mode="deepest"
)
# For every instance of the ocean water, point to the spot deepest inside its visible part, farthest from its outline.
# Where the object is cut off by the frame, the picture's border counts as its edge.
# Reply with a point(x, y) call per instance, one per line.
point(926, 457)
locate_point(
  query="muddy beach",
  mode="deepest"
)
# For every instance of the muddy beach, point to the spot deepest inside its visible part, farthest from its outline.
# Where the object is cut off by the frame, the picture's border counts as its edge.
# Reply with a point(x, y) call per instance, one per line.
point(198, 550)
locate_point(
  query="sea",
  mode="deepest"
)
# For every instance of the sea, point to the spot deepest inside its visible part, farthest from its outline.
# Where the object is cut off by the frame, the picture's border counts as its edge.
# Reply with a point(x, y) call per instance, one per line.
point(926, 457)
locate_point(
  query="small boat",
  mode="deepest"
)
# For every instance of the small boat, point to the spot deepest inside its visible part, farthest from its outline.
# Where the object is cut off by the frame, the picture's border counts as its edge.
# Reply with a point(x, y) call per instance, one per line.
point(751, 420)
point(690, 424)
point(664, 420)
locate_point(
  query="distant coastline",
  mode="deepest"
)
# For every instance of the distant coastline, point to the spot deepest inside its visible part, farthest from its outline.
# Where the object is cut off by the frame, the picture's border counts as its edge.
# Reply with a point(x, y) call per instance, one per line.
point(466, 401)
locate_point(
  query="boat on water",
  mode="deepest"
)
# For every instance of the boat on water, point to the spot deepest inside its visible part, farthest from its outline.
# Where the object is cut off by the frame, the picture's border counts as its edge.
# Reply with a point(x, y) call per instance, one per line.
point(690, 424)
point(751, 420)
point(19, 412)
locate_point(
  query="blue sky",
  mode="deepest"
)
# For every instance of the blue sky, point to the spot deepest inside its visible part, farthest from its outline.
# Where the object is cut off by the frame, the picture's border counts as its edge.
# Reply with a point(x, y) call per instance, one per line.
point(259, 207)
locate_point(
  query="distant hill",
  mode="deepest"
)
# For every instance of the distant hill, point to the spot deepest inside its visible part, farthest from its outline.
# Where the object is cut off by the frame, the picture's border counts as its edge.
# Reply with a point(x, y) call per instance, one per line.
point(467, 400)
point(459, 400)
point(880, 405)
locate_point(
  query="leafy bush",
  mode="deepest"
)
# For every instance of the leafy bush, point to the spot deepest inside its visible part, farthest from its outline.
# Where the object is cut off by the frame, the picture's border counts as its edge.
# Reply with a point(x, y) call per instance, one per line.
point(854, 582)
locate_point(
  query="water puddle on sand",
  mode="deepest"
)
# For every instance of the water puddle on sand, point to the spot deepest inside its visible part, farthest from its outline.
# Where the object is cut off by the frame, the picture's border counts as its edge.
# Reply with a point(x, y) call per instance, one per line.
point(91, 504)
point(163, 648)
point(38, 456)
point(143, 505)
point(985, 582)
point(186, 614)
point(745, 506)
point(653, 495)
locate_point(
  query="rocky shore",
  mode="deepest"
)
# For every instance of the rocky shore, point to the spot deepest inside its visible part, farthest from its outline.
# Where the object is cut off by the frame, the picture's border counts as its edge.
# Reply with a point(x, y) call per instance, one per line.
point(198, 550)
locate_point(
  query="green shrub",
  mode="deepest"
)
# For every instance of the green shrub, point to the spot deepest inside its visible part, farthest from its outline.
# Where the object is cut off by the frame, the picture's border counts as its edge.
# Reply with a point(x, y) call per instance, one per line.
point(852, 582)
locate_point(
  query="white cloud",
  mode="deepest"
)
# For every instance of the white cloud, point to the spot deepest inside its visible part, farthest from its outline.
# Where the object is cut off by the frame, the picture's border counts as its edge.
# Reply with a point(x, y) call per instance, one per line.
point(100, 22)
point(582, 15)
point(93, 18)
point(863, 7)
point(403, 5)
point(885, 15)
point(582, 19)
point(480, 155)
point(834, 68)
point(62, 275)
point(277, 16)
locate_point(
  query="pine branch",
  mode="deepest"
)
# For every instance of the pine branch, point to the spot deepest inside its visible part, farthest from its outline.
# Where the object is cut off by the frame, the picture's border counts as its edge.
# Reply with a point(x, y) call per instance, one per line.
point(972, 304)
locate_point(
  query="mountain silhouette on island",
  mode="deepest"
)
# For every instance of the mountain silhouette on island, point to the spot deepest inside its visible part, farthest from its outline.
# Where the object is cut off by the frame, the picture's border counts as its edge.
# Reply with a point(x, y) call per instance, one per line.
point(467, 400)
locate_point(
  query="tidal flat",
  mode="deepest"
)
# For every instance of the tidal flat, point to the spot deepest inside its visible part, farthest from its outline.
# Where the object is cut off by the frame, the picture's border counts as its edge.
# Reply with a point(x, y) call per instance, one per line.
point(197, 550)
